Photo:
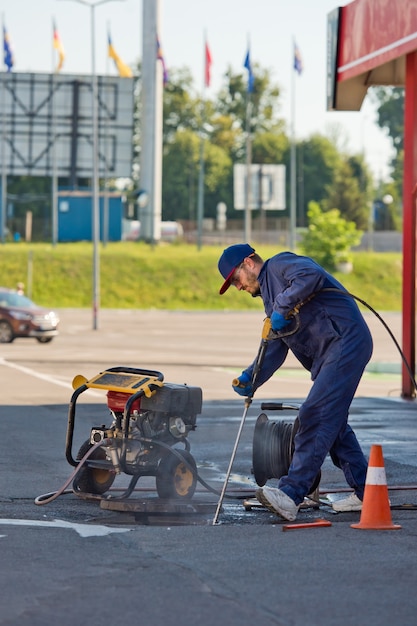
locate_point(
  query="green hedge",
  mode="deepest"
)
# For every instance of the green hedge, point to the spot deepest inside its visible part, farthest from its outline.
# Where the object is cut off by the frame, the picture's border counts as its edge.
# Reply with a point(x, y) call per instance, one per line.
point(167, 276)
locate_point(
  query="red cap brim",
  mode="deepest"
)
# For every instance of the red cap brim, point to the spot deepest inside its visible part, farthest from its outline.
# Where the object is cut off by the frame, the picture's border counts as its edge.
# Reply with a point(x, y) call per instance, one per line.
point(226, 283)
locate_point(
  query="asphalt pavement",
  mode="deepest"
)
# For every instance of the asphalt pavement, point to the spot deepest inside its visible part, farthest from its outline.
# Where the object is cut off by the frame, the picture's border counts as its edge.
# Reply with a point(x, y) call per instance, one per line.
point(75, 560)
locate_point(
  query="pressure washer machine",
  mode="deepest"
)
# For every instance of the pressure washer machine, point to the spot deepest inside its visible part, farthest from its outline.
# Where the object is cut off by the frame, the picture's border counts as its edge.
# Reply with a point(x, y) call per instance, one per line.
point(150, 420)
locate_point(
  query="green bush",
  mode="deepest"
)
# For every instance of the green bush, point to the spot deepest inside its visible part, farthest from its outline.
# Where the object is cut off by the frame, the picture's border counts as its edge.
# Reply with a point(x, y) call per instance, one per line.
point(329, 237)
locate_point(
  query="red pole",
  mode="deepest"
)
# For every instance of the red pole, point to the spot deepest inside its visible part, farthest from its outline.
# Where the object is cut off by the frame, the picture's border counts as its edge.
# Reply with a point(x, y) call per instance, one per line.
point(409, 223)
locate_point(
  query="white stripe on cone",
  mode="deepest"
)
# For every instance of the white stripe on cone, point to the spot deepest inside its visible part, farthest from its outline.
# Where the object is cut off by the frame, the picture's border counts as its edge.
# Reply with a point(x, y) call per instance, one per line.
point(376, 476)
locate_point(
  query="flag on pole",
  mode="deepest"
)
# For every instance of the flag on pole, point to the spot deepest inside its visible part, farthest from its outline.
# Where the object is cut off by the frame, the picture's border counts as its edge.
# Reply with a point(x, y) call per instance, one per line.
point(207, 68)
point(160, 57)
point(123, 69)
point(248, 65)
point(298, 61)
point(7, 50)
point(58, 47)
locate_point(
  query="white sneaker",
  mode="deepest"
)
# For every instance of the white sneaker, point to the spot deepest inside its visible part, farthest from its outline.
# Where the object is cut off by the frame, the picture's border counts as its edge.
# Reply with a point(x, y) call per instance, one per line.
point(351, 503)
point(278, 502)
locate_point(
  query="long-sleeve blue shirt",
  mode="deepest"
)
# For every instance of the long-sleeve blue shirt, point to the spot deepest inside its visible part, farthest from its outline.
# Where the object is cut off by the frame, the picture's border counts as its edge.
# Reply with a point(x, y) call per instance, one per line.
point(330, 324)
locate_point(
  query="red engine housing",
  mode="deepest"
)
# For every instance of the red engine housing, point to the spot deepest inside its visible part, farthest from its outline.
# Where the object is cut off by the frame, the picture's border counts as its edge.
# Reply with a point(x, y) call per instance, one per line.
point(116, 401)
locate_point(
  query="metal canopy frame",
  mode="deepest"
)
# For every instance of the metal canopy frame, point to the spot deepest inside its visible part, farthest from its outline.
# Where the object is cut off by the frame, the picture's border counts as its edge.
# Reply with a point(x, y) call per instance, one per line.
point(371, 42)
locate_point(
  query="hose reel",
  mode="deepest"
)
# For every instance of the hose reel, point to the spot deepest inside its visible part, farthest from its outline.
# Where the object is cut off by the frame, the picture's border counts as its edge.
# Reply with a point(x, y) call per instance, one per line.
point(273, 448)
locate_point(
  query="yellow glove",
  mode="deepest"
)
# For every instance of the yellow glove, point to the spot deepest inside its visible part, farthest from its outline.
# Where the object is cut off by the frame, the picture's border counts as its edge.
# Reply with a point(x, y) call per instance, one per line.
point(267, 328)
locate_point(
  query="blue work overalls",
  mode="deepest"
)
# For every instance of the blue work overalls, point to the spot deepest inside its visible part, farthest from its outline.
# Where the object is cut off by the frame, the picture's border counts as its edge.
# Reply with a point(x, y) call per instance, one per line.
point(333, 342)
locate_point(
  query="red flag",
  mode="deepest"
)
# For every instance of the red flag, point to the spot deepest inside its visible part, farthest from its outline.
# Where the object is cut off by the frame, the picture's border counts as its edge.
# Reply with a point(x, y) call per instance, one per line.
point(207, 74)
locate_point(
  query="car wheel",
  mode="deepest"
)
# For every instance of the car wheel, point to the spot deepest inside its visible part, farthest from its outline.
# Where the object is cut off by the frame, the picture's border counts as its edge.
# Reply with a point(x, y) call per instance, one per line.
point(6, 332)
point(44, 339)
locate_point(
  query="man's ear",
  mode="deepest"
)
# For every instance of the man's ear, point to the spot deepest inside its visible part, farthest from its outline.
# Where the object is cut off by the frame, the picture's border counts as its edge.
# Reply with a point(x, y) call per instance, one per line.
point(249, 262)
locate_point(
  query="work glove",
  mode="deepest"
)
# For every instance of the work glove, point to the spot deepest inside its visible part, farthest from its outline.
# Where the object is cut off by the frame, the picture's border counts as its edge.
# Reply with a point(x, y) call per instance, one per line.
point(266, 328)
point(242, 385)
point(278, 321)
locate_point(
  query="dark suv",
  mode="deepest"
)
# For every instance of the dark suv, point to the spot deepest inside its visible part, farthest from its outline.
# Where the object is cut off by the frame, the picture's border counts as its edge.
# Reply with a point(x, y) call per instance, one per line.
point(20, 317)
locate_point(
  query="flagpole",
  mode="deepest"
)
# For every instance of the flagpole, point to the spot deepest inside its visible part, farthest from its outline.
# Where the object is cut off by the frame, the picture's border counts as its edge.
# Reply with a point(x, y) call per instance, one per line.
point(200, 199)
point(248, 181)
point(3, 147)
point(3, 165)
point(151, 125)
point(95, 204)
point(201, 172)
point(106, 199)
point(293, 163)
point(54, 189)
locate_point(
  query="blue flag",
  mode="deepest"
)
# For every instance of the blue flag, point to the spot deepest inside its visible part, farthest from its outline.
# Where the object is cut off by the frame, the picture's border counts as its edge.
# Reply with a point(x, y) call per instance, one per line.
point(8, 54)
point(298, 61)
point(251, 78)
point(160, 57)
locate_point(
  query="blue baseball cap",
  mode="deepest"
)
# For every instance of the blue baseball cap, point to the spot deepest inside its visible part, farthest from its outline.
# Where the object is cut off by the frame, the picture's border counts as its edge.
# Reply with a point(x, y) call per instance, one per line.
point(231, 258)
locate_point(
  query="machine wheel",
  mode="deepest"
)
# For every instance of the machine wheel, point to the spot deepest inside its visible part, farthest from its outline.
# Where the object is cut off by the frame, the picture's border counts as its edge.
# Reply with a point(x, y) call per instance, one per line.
point(93, 479)
point(174, 478)
point(44, 339)
point(6, 332)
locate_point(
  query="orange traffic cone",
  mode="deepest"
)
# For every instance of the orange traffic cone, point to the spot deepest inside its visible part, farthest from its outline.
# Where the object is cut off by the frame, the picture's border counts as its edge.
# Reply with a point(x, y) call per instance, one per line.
point(376, 512)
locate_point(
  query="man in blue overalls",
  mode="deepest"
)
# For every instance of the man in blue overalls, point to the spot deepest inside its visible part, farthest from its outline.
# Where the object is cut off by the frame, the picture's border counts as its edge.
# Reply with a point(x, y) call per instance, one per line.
point(332, 341)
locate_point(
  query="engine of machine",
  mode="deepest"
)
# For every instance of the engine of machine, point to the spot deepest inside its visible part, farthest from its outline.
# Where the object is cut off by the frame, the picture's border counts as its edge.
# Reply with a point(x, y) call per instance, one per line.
point(167, 416)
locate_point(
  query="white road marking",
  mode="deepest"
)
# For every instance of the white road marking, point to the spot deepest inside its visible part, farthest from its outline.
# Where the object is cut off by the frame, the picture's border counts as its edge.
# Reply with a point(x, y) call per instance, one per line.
point(84, 530)
point(45, 377)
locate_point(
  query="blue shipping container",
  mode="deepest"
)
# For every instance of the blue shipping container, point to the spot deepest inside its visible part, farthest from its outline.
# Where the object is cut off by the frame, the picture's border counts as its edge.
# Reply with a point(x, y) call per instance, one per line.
point(75, 216)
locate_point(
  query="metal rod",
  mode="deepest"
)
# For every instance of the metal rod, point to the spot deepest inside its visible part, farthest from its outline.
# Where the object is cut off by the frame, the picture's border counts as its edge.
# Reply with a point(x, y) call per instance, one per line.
point(248, 402)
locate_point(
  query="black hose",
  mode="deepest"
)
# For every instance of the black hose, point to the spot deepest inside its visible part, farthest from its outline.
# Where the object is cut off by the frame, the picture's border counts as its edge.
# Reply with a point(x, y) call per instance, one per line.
point(46, 498)
point(183, 460)
point(387, 328)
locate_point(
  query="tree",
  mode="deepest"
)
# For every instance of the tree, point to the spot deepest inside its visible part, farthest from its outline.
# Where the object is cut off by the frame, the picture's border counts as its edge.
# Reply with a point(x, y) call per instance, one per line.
point(317, 160)
point(390, 110)
point(269, 147)
point(30, 193)
point(181, 110)
point(233, 99)
point(329, 237)
point(223, 122)
point(350, 191)
point(180, 177)
point(180, 171)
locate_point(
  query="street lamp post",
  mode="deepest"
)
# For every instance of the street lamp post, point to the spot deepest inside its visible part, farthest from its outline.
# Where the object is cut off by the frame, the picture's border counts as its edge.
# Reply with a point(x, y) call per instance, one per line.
point(95, 181)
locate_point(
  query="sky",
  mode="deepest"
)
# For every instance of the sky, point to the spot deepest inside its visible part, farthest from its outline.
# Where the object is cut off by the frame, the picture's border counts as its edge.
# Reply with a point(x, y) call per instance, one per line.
point(269, 27)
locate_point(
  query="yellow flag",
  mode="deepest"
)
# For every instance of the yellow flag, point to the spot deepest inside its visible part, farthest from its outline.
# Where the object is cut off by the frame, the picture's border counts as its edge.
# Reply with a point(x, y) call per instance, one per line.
point(59, 48)
point(123, 69)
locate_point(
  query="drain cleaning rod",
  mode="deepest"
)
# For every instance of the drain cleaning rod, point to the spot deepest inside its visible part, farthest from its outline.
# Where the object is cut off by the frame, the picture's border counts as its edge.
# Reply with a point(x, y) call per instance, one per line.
point(248, 402)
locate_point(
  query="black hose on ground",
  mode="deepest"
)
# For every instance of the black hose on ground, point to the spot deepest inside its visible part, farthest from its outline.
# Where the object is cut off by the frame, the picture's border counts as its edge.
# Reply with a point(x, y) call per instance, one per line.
point(46, 498)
